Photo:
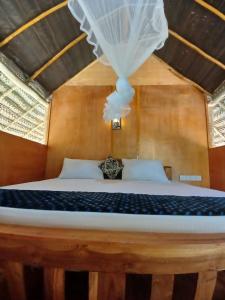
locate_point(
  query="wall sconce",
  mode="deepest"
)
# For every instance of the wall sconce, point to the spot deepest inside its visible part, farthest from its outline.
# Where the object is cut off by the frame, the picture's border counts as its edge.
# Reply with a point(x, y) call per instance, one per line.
point(116, 124)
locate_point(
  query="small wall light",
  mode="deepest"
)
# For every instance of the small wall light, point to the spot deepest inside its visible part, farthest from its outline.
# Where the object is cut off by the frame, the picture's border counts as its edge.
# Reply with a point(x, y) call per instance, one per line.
point(116, 124)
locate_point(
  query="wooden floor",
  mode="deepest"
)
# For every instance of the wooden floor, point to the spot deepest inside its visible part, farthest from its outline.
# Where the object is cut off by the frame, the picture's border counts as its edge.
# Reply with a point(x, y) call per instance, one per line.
point(138, 287)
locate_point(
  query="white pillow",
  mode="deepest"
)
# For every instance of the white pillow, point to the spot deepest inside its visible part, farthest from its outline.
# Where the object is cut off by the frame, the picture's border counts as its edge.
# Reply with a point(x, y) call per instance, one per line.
point(138, 169)
point(80, 169)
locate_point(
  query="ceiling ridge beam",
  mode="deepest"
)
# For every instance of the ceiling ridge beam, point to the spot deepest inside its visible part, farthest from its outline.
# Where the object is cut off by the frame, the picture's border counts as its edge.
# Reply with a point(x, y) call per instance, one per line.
point(197, 49)
point(211, 8)
point(58, 55)
point(32, 22)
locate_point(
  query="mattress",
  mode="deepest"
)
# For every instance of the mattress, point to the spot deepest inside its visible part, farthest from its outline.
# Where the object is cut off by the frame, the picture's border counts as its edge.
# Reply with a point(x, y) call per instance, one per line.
point(114, 221)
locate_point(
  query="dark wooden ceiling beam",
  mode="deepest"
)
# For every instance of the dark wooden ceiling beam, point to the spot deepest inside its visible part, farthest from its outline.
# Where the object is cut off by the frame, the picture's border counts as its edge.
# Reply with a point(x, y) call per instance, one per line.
point(211, 9)
point(32, 22)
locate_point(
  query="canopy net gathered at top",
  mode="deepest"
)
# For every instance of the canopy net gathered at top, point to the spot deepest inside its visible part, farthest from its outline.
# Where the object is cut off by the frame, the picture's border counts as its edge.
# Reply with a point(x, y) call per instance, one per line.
point(124, 34)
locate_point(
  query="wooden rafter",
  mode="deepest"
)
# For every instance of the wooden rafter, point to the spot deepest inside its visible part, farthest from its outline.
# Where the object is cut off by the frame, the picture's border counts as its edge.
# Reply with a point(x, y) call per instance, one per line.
point(58, 55)
point(32, 22)
point(211, 9)
point(197, 49)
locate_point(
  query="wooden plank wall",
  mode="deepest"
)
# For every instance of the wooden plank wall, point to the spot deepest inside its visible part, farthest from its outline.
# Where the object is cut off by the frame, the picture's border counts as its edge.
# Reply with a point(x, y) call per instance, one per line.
point(77, 129)
point(217, 168)
point(167, 122)
point(20, 160)
point(173, 128)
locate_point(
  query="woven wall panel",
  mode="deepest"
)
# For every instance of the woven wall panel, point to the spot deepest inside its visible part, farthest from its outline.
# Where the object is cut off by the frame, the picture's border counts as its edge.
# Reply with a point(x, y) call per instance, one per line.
point(21, 113)
point(217, 120)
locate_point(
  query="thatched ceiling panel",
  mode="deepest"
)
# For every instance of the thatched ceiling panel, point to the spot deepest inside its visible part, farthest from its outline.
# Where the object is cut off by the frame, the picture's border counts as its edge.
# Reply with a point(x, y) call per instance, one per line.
point(199, 26)
point(191, 64)
point(17, 12)
point(71, 63)
point(35, 46)
point(42, 41)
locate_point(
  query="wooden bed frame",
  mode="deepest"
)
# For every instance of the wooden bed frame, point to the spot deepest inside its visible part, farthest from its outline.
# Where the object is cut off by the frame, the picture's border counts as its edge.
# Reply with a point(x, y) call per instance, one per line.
point(108, 256)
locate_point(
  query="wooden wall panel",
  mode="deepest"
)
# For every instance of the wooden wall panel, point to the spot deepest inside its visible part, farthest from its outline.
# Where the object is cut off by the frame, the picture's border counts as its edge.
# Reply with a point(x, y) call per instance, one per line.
point(217, 168)
point(173, 129)
point(20, 160)
point(166, 122)
point(77, 128)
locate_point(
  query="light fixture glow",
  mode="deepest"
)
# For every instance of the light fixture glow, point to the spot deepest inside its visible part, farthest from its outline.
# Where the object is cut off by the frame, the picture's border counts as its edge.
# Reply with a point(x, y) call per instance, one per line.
point(116, 124)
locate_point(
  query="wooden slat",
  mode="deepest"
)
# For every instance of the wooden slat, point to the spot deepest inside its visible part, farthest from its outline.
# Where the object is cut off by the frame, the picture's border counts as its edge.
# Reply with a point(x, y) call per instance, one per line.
point(93, 286)
point(32, 22)
point(14, 274)
point(54, 282)
point(162, 287)
point(206, 285)
point(110, 286)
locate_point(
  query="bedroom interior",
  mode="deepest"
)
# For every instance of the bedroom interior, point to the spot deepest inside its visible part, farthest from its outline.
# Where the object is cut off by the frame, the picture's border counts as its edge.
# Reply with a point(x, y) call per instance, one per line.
point(89, 212)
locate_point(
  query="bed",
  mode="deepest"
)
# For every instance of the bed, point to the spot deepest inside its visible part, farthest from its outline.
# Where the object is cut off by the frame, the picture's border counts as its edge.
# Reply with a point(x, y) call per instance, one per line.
point(116, 221)
point(110, 245)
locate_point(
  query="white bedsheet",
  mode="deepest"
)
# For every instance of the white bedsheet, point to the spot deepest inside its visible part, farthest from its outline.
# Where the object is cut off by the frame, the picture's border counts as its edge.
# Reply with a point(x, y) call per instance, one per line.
point(112, 221)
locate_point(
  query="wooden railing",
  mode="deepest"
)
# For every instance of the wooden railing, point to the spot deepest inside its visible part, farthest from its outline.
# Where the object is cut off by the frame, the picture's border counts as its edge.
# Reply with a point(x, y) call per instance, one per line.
point(108, 257)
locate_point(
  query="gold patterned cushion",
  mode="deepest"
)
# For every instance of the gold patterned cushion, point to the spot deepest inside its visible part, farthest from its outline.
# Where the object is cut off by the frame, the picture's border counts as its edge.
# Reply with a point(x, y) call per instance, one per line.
point(111, 167)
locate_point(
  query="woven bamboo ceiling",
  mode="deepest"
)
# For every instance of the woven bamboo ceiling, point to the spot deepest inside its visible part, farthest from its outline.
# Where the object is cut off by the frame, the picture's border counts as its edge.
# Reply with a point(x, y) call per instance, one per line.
point(45, 41)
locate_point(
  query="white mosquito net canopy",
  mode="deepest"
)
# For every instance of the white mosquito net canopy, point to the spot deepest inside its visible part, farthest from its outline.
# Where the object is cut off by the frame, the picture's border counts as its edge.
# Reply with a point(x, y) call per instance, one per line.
point(124, 34)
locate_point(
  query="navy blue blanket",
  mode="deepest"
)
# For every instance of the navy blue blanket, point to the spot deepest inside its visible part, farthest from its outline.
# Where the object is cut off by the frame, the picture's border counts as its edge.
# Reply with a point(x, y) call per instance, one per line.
point(113, 203)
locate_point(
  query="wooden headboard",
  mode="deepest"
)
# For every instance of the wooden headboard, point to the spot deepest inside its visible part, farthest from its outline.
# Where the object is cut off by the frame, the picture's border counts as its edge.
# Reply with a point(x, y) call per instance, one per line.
point(168, 171)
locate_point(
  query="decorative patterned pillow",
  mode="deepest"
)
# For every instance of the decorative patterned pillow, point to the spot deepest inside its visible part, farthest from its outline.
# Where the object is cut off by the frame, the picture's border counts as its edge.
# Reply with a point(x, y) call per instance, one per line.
point(111, 168)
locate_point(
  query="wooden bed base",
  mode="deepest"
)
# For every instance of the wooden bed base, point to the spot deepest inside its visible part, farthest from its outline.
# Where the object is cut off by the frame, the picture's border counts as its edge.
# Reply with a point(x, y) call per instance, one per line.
point(108, 256)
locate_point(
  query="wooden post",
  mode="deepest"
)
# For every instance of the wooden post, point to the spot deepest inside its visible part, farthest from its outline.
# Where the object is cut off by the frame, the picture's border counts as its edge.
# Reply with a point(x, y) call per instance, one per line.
point(54, 284)
point(14, 273)
point(93, 286)
point(110, 286)
point(162, 287)
point(206, 285)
